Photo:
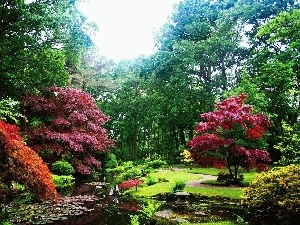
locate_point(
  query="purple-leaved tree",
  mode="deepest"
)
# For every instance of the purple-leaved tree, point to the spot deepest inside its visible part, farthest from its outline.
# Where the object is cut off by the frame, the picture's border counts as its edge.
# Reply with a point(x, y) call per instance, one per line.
point(67, 123)
point(226, 138)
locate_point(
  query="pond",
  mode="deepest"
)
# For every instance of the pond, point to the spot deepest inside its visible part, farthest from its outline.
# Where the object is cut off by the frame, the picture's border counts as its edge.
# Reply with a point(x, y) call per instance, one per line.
point(102, 204)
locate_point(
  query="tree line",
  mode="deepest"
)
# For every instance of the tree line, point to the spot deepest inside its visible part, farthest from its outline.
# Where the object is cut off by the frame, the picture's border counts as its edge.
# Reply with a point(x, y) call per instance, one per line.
point(206, 52)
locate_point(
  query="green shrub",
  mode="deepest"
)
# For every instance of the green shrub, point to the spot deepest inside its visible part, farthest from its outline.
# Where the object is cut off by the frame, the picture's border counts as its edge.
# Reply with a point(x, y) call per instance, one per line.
point(10, 111)
point(116, 170)
point(134, 220)
point(273, 197)
point(128, 164)
point(112, 161)
point(62, 181)
point(17, 186)
point(156, 163)
point(228, 179)
point(131, 173)
point(150, 181)
point(178, 186)
point(149, 208)
point(162, 179)
point(62, 168)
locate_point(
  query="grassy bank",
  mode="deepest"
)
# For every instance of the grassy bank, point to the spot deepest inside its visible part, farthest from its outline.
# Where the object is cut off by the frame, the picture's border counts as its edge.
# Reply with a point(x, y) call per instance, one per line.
point(163, 180)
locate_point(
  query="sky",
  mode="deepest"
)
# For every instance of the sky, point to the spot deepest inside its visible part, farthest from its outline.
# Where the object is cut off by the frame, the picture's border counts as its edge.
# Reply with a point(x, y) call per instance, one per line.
point(127, 27)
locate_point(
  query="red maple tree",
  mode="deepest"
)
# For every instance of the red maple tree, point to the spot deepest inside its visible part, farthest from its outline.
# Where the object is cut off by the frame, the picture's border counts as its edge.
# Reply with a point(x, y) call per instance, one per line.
point(69, 124)
point(225, 136)
point(20, 163)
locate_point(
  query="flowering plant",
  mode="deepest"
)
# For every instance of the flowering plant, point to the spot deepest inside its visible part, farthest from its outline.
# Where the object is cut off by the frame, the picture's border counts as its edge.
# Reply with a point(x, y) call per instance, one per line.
point(130, 184)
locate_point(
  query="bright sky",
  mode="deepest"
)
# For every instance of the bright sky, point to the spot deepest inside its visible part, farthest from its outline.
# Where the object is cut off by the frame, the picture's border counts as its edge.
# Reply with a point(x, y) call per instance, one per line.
point(127, 27)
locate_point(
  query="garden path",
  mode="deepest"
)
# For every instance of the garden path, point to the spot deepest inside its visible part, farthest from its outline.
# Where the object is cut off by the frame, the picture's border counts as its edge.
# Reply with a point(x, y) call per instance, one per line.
point(199, 183)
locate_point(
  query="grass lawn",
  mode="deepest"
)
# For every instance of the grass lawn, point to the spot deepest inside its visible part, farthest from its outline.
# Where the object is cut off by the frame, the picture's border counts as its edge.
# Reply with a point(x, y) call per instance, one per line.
point(186, 174)
point(161, 187)
point(233, 193)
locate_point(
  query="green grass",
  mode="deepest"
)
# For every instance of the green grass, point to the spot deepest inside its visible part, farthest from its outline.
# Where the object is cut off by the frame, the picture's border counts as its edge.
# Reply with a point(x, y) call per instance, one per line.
point(248, 177)
point(185, 175)
point(162, 187)
point(233, 193)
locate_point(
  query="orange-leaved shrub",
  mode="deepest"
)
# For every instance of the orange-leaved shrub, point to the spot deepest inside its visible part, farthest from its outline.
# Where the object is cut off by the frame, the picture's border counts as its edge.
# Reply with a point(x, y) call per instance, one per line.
point(20, 163)
point(274, 197)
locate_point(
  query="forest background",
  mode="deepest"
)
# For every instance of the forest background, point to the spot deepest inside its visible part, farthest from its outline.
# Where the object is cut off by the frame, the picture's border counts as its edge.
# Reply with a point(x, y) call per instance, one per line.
point(206, 52)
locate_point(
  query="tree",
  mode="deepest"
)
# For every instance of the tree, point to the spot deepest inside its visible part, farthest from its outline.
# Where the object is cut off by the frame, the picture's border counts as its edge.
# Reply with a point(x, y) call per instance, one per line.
point(289, 144)
point(39, 36)
point(225, 137)
point(276, 71)
point(20, 163)
point(90, 72)
point(67, 123)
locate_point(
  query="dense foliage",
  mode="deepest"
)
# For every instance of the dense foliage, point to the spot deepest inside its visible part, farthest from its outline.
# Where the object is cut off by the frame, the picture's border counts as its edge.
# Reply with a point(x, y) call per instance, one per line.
point(10, 111)
point(62, 168)
point(226, 136)
point(273, 197)
point(289, 144)
point(20, 163)
point(67, 123)
point(207, 51)
point(38, 39)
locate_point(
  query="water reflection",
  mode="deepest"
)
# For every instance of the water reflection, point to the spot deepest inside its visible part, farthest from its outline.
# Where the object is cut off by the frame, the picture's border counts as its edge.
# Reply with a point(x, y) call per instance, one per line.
point(96, 203)
point(101, 203)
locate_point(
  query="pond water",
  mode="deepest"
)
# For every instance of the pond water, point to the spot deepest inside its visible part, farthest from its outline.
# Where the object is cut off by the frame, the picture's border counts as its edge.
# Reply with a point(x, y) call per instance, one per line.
point(87, 204)
point(102, 204)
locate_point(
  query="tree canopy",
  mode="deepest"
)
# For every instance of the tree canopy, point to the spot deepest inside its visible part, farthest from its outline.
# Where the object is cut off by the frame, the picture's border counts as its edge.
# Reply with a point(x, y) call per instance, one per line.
point(67, 123)
point(37, 41)
point(206, 52)
point(226, 137)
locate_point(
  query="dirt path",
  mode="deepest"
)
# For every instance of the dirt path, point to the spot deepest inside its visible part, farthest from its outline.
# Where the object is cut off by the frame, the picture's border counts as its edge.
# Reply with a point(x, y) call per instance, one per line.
point(198, 183)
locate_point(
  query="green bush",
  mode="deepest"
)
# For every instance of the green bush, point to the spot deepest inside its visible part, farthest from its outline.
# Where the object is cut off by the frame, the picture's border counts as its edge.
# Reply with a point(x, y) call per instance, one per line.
point(10, 111)
point(156, 163)
point(228, 179)
point(116, 170)
point(112, 161)
point(273, 197)
point(132, 173)
point(150, 181)
point(62, 168)
point(62, 181)
point(178, 186)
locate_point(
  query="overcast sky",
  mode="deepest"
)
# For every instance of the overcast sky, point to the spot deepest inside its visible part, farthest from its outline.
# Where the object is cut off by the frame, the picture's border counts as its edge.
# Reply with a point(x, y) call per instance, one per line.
point(127, 27)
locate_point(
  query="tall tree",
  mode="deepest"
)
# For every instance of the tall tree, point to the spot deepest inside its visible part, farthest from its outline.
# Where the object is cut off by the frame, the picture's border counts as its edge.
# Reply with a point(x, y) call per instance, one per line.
point(90, 73)
point(36, 39)
point(275, 70)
